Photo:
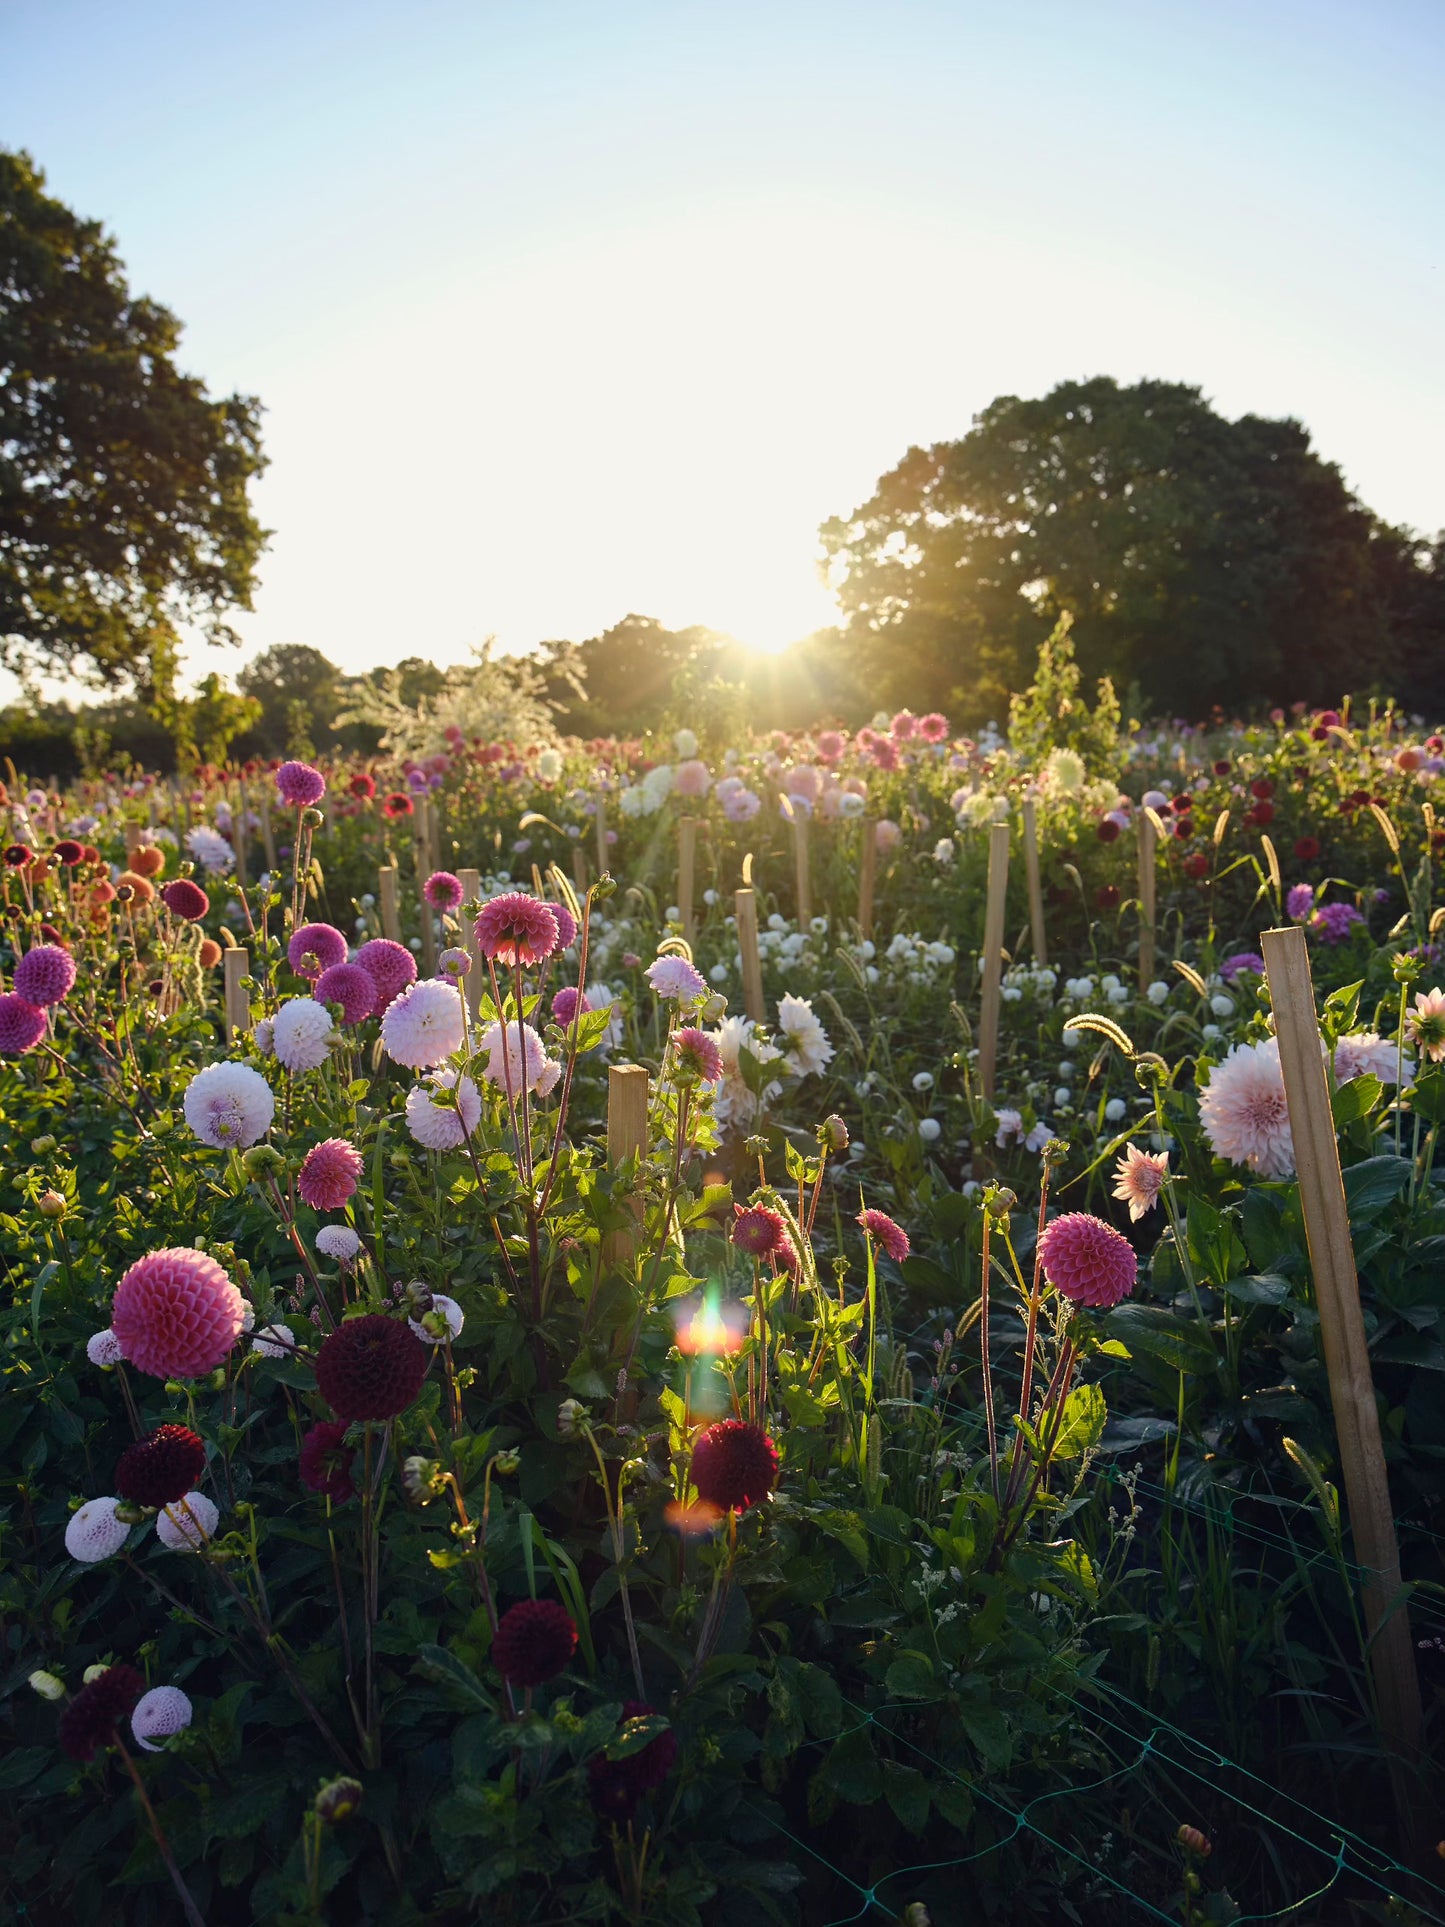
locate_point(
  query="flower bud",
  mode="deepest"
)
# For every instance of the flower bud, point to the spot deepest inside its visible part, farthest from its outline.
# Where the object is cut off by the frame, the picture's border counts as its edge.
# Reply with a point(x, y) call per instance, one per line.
point(1404, 968)
point(604, 887)
point(50, 1204)
point(756, 1147)
point(833, 1133)
point(419, 1298)
point(98, 1671)
point(570, 1414)
point(262, 1161)
point(1195, 1842)
point(420, 1478)
point(313, 818)
point(338, 1799)
point(47, 1686)
point(714, 1010)
point(505, 1464)
point(43, 1144)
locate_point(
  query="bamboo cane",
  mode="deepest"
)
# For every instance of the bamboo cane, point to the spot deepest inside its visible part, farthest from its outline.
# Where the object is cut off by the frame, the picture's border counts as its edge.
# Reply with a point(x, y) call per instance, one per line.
point(238, 835)
point(600, 824)
point(745, 906)
point(998, 840)
point(424, 868)
point(579, 869)
point(268, 836)
point(627, 1087)
point(1036, 888)
point(867, 872)
point(686, 867)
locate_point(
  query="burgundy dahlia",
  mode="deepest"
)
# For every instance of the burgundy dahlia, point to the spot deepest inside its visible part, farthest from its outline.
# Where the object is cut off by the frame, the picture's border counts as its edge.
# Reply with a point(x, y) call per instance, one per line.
point(185, 899)
point(326, 1461)
point(89, 1721)
point(734, 1465)
point(158, 1470)
point(370, 1367)
point(69, 852)
point(535, 1639)
point(398, 804)
point(616, 1786)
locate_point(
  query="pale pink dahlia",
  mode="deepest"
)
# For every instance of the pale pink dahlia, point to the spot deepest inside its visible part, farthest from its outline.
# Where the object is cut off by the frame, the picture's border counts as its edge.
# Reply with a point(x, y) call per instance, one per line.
point(1364, 1053)
point(525, 1057)
point(229, 1105)
point(443, 1127)
point(424, 1025)
point(176, 1314)
point(329, 1174)
point(517, 929)
point(1425, 1024)
point(693, 778)
point(676, 980)
point(186, 1525)
point(1088, 1261)
point(94, 1533)
point(158, 1714)
point(1244, 1113)
point(882, 1229)
point(1139, 1178)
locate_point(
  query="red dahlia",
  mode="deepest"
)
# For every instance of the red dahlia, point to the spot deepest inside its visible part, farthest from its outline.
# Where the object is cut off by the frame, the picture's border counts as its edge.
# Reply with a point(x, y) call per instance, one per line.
point(616, 1786)
point(734, 1465)
point(370, 1368)
point(90, 1720)
point(158, 1470)
point(758, 1230)
point(535, 1639)
point(326, 1462)
point(185, 899)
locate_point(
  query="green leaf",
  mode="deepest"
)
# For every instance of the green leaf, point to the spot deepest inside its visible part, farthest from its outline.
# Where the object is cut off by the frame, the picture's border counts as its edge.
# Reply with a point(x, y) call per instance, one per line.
point(854, 1769)
point(1356, 1099)
point(906, 1791)
point(1427, 1097)
point(989, 1732)
point(436, 1663)
point(1371, 1185)
point(1085, 1415)
point(911, 1677)
point(1177, 1341)
point(1267, 1288)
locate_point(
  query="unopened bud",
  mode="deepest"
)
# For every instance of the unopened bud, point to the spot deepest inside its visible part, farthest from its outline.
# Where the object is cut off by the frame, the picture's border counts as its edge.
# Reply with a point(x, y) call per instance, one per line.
point(833, 1133)
point(93, 1673)
point(42, 1144)
point(50, 1204)
point(714, 1010)
point(505, 1464)
point(419, 1298)
point(570, 1414)
point(337, 1800)
point(1195, 1842)
point(420, 1478)
point(604, 887)
point(313, 818)
point(261, 1161)
point(47, 1686)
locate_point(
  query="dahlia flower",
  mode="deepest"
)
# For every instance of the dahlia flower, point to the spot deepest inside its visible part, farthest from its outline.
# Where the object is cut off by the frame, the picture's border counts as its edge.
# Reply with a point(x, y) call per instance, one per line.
point(274, 1341)
point(161, 1468)
point(1241, 961)
point(189, 1523)
point(1087, 1260)
point(615, 1786)
point(1139, 1178)
point(882, 1229)
point(89, 1721)
point(44, 975)
point(1365, 1052)
point(566, 925)
point(337, 1241)
point(517, 929)
point(676, 980)
point(443, 1127)
point(1425, 1024)
point(443, 1308)
point(566, 1005)
point(329, 1174)
point(176, 1314)
point(211, 850)
point(350, 986)
point(94, 1533)
point(757, 1229)
point(698, 1054)
point(734, 1465)
point(103, 1348)
point(693, 778)
point(805, 1044)
point(302, 1034)
point(735, 1103)
point(299, 785)
point(315, 947)
point(534, 1641)
point(549, 1077)
point(229, 1106)
point(1335, 923)
point(1244, 1112)
point(22, 1025)
point(526, 1057)
point(159, 1714)
point(454, 964)
point(391, 967)
point(370, 1368)
point(185, 899)
point(442, 890)
point(424, 1025)
point(326, 1461)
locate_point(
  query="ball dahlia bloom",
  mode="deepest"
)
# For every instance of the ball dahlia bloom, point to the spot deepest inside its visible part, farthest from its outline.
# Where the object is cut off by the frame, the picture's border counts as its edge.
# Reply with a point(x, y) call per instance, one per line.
point(44, 975)
point(442, 890)
point(391, 967)
point(882, 1230)
point(326, 1461)
point(89, 1721)
point(443, 1127)
point(566, 1005)
point(22, 1024)
point(442, 1308)
point(1088, 1261)
point(370, 1367)
point(517, 929)
point(160, 1468)
point(315, 947)
point(424, 1025)
point(675, 980)
point(1425, 1024)
point(185, 899)
point(103, 1348)
point(734, 1465)
point(158, 1715)
point(1244, 1112)
point(274, 1341)
point(566, 925)
point(299, 785)
point(758, 1230)
point(329, 1174)
point(338, 1242)
point(524, 1057)
point(302, 1034)
point(1139, 1178)
point(93, 1532)
point(535, 1640)
point(188, 1524)
point(229, 1106)
point(348, 985)
point(176, 1314)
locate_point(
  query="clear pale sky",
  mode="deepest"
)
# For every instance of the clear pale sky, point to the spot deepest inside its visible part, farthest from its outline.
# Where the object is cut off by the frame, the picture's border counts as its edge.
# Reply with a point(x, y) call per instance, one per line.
point(564, 310)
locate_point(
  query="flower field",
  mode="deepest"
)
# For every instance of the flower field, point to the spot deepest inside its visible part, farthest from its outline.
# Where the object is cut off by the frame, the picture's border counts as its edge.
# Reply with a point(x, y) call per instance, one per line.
point(710, 1330)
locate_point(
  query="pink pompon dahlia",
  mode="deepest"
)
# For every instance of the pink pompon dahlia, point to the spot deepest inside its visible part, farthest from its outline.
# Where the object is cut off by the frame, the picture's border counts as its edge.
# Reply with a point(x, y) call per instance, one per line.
point(300, 785)
point(22, 1024)
point(1139, 1178)
point(566, 925)
point(1425, 1024)
point(176, 1314)
point(315, 947)
point(758, 1230)
point(517, 929)
point(933, 727)
point(881, 1228)
point(1088, 1261)
point(567, 1003)
point(391, 967)
point(734, 1465)
point(350, 986)
point(185, 899)
point(1244, 1112)
point(329, 1174)
point(442, 890)
point(698, 1054)
point(535, 1639)
point(45, 975)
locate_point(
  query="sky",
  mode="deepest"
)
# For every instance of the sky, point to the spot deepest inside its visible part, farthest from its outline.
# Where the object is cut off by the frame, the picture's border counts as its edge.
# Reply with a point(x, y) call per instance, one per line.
point(561, 311)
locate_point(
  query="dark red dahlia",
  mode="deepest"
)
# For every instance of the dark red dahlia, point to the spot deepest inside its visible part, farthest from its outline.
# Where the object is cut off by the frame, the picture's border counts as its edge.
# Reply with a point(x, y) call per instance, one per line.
point(326, 1462)
point(158, 1470)
point(90, 1720)
point(1107, 896)
point(371, 1367)
point(69, 851)
point(1307, 849)
point(616, 1786)
point(185, 899)
point(398, 804)
point(734, 1465)
point(535, 1639)
point(363, 785)
point(1107, 830)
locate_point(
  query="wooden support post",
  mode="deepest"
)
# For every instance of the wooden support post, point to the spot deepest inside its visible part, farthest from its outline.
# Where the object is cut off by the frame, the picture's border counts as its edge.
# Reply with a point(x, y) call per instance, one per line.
point(579, 869)
point(1347, 1358)
point(992, 957)
point(745, 905)
point(800, 861)
point(600, 824)
point(390, 914)
point(134, 840)
point(471, 882)
point(268, 835)
point(627, 1086)
point(686, 868)
point(867, 872)
point(1148, 845)
point(424, 868)
point(238, 835)
point(1036, 888)
point(237, 999)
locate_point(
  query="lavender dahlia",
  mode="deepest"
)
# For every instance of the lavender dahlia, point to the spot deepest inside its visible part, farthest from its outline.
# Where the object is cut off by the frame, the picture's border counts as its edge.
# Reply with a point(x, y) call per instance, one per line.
point(300, 785)
point(160, 1714)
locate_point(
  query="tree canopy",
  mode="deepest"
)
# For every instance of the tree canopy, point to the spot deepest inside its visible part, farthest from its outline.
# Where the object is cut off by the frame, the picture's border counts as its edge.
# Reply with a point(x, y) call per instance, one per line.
point(1203, 561)
point(123, 485)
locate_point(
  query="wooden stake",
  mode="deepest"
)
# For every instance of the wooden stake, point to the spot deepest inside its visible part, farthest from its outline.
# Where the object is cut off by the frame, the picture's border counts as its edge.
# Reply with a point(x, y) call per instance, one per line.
point(600, 825)
point(579, 869)
point(1036, 888)
point(800, 860)
point(134, 840)
point(390, 914)
point(627, 1086)
point(1148, 844)
point(745, 905)
point(471, 882)
point(992, 956)
point(237, 999)
point(1347, 1358)
point(867, 871)
point(268, 838)
point(686, 866)
point(238, 834)
point(424, 868)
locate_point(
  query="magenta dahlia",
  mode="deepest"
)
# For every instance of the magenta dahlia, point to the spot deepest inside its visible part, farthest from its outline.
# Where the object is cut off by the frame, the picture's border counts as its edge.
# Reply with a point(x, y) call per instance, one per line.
point(758, 1230)
point(734, 1465)
point(881, 1228)
point(162, 1468)
point(300, 785)
point(176, 1314)
point(315, 947)
point(329, 1174)
point(22, 1024)
point(566, 925)
point(89, 1721)
point(391, 967)
point(566, 1005)
point(370, 1367)
point(350, 986)
point(517, 929)
point(1088, 1261)
point(534, 1641)
point(442, 890)
point(326, 1461)
point(185, 899)
point(45, 974)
